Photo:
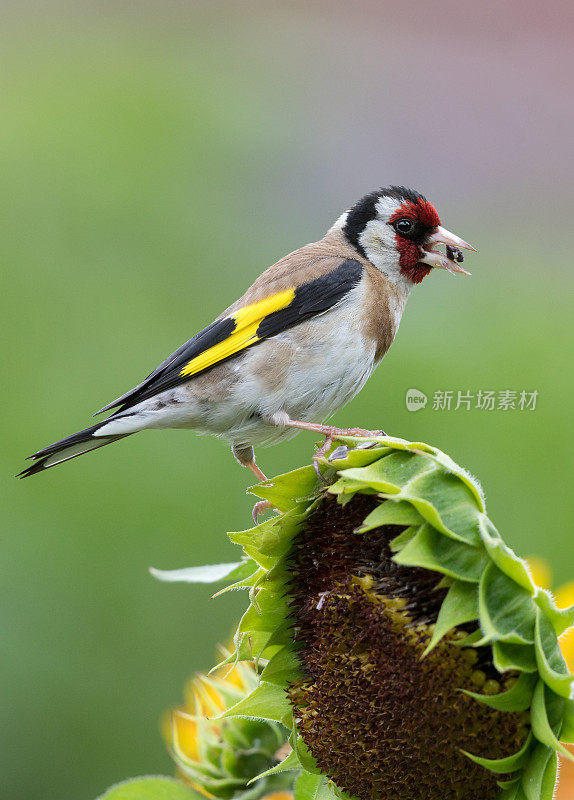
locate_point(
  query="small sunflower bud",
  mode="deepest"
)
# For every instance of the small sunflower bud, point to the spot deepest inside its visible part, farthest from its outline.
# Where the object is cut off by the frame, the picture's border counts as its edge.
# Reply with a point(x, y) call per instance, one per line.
point(221, 757)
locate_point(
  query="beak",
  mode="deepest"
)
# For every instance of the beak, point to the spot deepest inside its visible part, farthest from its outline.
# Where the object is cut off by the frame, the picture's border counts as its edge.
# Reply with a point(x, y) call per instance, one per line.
point(451, 261)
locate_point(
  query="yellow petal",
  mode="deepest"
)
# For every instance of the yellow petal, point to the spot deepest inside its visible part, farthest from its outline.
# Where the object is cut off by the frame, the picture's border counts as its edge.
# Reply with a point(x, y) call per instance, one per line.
point(278, 796)
point(184, 731)
point(209, 702)
point(541, 571)
point(565, 595)
point(567, 646)
point(234, 676)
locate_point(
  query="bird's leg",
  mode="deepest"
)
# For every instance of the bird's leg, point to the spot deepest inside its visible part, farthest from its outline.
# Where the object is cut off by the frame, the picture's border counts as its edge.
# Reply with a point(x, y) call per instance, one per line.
point(328, 431)
point(246, 457)
point(281, 418)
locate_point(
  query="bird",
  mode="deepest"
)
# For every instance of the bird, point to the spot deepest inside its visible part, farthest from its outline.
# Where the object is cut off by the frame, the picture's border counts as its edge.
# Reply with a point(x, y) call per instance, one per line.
point(297, 346)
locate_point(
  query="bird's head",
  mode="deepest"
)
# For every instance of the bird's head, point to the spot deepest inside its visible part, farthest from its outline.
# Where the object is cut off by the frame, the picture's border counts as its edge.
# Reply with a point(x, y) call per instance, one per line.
point(398, 230)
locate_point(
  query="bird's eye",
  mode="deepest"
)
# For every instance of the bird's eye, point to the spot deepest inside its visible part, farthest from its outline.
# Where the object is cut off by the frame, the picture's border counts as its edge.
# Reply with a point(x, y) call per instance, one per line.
point(404, 226)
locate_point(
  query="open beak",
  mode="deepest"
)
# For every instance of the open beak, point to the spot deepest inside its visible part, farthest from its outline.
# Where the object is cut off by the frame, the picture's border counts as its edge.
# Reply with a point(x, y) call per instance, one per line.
point(453, 258)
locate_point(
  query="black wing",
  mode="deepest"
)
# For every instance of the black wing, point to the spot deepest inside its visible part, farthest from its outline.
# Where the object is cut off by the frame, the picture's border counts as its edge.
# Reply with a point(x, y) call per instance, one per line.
point(228, 336)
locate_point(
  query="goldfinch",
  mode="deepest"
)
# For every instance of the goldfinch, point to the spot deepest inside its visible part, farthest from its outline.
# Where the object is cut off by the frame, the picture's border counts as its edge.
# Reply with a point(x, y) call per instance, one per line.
point(297, 346)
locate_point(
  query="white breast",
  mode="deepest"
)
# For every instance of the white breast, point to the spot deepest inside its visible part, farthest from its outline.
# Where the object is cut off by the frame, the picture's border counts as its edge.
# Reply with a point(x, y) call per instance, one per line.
point(311, 370)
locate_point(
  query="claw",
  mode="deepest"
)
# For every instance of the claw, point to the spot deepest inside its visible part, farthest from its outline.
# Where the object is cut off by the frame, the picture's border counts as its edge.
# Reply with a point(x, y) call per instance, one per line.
point(260, 508)
point(319, 453)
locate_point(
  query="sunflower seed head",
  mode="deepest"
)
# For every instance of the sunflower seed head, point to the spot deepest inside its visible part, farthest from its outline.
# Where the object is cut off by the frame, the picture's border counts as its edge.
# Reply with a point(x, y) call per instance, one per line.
point(367, 697)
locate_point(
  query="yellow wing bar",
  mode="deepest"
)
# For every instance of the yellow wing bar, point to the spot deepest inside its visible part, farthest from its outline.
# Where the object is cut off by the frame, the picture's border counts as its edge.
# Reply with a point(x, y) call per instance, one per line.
point(247, 321)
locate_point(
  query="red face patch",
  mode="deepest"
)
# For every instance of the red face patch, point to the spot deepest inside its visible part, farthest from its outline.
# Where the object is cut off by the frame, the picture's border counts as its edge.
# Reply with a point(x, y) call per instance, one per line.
point(422, 210)
point(409, 260)
point(409, 252)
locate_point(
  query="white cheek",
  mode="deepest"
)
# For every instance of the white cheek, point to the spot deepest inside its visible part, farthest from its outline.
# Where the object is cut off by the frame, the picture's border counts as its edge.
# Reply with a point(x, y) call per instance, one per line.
point(378, 242)
point(379, 236)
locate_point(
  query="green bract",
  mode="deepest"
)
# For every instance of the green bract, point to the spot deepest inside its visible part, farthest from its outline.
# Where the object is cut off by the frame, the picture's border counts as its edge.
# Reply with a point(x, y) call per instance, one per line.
point(401, 641)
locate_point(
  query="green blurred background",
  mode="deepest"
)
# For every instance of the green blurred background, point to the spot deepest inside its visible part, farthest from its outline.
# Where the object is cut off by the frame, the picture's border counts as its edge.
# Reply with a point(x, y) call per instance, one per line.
point(154, 157)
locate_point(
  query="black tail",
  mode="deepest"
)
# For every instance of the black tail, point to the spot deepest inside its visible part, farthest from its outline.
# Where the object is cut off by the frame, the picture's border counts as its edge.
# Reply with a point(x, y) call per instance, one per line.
point(72, 446)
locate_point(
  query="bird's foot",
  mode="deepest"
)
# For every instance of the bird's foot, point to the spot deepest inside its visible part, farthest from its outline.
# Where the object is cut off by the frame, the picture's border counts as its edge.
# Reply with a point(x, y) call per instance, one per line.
point(319, 453)
point(260, 508)
point(328, 431)
point(334, 433)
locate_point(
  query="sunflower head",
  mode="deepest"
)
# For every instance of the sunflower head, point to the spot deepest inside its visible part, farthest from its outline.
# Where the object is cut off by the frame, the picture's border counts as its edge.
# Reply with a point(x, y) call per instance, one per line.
point(364, 624)
point(404, 645)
